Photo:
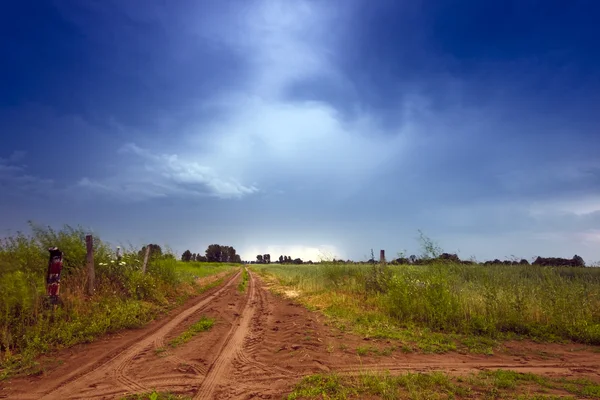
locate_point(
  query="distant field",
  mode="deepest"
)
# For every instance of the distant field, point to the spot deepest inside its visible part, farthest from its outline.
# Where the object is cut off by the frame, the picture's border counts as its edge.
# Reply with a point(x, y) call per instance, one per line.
point(441, 306)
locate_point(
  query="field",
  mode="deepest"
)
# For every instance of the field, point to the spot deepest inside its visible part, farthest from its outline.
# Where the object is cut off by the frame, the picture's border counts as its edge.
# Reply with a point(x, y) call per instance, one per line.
point(186, 330)
point(469, 303)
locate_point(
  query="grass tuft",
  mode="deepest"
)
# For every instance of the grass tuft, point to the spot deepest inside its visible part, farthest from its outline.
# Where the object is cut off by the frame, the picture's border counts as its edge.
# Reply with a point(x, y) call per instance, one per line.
point(202, 325)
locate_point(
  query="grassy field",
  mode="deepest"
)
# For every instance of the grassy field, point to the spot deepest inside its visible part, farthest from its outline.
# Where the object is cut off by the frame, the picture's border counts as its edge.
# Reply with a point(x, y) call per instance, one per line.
point(499, 384)
point(124, 296)
point(443, 306)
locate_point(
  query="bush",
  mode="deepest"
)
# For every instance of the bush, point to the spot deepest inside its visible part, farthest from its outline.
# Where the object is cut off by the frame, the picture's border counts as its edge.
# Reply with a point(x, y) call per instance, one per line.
point(124, 297)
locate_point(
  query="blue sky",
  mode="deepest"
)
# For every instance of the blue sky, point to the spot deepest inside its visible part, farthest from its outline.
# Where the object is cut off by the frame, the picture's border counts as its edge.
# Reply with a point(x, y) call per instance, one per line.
point(306, 127)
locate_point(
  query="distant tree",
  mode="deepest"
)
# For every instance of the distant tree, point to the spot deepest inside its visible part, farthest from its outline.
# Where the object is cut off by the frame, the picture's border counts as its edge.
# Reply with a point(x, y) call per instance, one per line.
point(186, 256)
point(281, 259)
point(214, 253)
point(259, 259)
point(229, 254)
point(155, 251)
point(267, 258)
point(193, 257)
point(200, 258)
point(298, 261)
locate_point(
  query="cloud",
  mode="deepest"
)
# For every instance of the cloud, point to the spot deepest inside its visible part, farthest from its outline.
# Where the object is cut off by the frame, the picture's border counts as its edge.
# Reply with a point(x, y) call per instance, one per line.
point(162, 175)
point(15, 181)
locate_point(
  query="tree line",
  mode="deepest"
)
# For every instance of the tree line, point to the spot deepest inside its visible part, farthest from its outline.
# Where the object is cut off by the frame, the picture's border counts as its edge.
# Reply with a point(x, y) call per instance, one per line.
point(213, 253)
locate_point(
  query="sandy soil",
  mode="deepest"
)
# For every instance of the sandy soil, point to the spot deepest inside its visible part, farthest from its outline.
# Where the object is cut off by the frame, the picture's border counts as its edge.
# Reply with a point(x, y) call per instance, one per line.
point(259, 347)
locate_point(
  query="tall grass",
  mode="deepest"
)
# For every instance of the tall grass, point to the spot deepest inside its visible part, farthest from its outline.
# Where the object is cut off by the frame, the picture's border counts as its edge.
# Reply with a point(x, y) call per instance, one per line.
point(539, 302)
point(124, 296)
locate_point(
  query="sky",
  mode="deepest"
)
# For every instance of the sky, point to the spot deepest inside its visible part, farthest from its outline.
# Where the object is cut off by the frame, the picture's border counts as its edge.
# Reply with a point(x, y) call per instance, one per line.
point(314, 129)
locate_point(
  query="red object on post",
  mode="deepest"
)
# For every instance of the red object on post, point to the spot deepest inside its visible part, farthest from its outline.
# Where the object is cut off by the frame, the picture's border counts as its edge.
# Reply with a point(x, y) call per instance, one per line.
point(55, 264)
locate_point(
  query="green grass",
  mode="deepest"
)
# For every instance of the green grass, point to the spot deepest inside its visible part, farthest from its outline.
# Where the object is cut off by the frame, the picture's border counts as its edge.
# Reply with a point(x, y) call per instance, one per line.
point(195, 270)
point(449, 307)
point(125, 297)
point(155, 396)
point(437, 385)
point(244, 282)
point(202, 325)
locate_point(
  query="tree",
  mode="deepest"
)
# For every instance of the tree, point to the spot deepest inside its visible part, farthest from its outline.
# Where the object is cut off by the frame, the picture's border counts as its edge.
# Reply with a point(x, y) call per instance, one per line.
point(280, 259)
point(155, 251)
point(193, 257)
point(267, 258)
point(214, 253)
point(259, 259)
point(186, 256)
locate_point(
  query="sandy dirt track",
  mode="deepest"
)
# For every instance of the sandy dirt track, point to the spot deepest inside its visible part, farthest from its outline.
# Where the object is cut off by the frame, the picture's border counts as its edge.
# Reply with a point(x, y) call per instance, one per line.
point(261, 344)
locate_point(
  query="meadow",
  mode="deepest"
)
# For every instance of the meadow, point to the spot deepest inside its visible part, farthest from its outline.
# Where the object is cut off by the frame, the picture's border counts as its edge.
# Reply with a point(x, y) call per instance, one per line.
point(124, 297)
point(444, 306)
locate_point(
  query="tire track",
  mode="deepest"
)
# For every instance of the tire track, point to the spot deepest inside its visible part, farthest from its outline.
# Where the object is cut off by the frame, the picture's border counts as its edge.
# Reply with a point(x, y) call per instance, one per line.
point(118, 364)
point(235, 340)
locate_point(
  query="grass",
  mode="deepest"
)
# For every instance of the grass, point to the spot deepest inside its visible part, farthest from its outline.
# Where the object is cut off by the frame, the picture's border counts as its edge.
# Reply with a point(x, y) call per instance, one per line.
point(449, 307)
point(124, 297)
point(154, 395)
point(195, 270)
point(244, 282)
point(202, 325)
point(437, 385)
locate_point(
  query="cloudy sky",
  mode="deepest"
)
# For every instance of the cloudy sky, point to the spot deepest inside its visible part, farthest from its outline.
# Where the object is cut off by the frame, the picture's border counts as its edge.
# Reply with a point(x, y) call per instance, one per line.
point(306, 128)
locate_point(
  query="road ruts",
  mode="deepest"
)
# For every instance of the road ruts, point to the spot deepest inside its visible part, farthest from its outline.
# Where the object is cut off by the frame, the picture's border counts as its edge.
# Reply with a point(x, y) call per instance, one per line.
point(115, 368)
point(235, 339)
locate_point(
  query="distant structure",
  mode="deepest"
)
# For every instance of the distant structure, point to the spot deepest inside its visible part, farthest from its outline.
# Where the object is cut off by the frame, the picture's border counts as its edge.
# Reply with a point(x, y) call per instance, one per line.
point(381, 256)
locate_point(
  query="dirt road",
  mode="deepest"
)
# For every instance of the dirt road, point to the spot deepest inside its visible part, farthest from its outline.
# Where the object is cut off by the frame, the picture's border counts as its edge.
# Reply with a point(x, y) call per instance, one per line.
point(259, 347)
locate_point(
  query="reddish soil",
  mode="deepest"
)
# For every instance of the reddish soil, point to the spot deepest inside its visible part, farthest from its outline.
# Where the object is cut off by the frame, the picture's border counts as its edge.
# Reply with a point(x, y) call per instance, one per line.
point(260, 345)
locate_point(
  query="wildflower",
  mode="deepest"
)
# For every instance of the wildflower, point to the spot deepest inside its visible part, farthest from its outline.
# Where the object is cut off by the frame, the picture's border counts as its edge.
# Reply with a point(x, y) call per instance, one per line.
point(122, 263)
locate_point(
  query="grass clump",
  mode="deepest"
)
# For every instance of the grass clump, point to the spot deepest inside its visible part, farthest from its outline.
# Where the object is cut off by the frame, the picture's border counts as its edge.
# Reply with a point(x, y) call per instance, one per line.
point(202, 325)
point(244, 282)
point(437, 385)
point(154, 395)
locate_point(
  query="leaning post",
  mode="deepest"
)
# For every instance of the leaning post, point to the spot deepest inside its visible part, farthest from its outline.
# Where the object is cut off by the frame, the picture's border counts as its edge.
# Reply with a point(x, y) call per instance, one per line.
point(146, 256)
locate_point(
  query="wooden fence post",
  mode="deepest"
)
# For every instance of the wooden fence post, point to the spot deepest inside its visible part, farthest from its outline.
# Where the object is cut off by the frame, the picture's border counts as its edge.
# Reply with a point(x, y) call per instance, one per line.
point(146, 256)
point(89, 242)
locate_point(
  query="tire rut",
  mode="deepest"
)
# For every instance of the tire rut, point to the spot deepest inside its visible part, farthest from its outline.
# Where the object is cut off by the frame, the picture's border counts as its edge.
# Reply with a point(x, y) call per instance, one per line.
point(117, 365)
point(235, 340)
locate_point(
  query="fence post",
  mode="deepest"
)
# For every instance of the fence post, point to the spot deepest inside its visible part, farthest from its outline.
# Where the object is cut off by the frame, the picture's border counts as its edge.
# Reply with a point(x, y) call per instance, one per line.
point(89, 242)
point(382, 256)
point(146, 256)
point(55, 265)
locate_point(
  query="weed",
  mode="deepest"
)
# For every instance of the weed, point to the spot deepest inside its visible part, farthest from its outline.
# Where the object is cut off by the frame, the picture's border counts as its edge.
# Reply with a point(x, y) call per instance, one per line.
point(244, 282)
point(202, 325)
point(154, 395)
point(489, 384)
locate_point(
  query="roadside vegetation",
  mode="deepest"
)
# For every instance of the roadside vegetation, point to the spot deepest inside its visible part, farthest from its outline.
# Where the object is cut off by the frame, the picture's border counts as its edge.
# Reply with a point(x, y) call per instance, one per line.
point(125, 296)
point(244, 282)
point(445, 306)
point(496, 384)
